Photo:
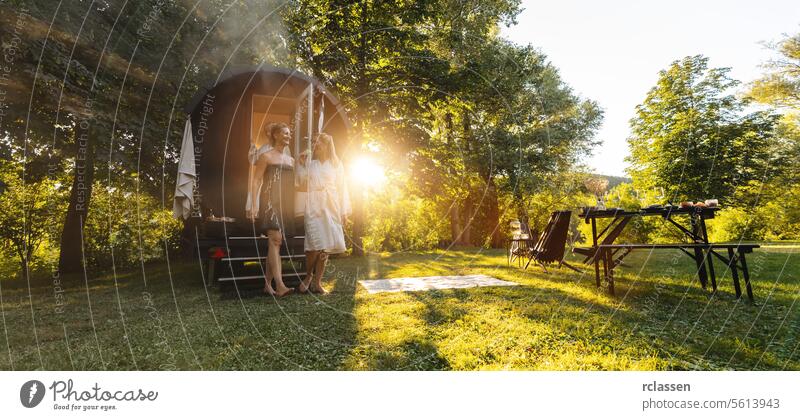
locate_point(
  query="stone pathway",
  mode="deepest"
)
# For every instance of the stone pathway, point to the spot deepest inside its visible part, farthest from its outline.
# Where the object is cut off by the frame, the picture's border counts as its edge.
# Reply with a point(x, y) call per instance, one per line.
point(414, 284)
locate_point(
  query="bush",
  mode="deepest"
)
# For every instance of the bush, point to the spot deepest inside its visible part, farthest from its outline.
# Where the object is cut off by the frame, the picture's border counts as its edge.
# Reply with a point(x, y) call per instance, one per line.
point(562, 193)
point(123, 229)
point(398, 221)
point(31, 214)
point(763, 223)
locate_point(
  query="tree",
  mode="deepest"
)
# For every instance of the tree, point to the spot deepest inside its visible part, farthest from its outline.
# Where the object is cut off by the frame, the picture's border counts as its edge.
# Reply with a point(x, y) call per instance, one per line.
point(511, 126)
point(107, 80)
point(690, 136)
point(434, 85)
point(376, 55)
point(780, 86)
point(25, 209)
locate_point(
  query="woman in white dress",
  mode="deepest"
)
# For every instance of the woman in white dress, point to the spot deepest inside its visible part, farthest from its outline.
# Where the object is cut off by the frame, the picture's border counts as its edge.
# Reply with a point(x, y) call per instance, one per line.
point(259, 206)
point(327, 206)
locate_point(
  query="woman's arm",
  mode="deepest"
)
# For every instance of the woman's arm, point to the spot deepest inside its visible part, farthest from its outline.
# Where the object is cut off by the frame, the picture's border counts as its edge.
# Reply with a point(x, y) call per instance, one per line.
point(301, 172)
point(255, 186)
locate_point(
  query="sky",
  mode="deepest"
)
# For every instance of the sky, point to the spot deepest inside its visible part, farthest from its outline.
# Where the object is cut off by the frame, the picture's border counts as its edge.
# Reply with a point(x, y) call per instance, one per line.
point(611, 51)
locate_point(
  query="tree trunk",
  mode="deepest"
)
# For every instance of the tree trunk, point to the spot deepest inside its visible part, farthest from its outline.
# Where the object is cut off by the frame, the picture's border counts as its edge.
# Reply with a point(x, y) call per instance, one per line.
point(528, 227)
point(362, 87)
point(455, 225)
point(23, 262)
point(468, 212)
point(357, 198)
point(493, 215)
point(71, 256)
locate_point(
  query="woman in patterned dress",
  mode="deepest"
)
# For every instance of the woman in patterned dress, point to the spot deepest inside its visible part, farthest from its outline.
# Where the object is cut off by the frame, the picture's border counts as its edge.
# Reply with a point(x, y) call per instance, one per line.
point(259, 203)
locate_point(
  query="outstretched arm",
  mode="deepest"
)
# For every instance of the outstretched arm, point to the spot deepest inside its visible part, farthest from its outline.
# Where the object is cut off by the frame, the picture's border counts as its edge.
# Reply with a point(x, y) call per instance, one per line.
point(255, 187)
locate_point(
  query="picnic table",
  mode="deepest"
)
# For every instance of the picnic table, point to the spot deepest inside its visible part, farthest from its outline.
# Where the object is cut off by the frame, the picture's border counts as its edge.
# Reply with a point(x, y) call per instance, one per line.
point(605, 254)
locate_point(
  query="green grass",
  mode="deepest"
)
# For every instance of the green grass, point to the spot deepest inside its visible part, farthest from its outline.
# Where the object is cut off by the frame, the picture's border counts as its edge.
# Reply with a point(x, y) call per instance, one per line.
point(660, 319)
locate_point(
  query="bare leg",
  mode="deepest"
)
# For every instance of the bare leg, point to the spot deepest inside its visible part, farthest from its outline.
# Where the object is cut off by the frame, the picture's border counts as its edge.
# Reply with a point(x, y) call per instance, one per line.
point(319, 270)
point(274, 260)
point(311, 262)
point(268, 278)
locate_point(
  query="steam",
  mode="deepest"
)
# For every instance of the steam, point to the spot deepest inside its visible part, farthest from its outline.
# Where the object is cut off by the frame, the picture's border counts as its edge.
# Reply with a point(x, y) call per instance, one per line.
point(250, 31)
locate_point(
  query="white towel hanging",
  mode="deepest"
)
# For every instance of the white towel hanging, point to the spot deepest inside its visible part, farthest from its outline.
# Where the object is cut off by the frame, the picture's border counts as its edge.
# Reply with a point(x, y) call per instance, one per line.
point(187, 176)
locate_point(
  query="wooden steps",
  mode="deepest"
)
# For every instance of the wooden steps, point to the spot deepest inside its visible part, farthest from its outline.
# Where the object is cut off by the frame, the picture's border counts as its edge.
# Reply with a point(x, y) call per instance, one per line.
point(228, 260)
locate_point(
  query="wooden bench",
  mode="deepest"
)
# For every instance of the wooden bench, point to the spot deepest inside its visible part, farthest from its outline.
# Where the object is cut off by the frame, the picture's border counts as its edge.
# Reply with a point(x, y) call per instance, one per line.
point(611, 255)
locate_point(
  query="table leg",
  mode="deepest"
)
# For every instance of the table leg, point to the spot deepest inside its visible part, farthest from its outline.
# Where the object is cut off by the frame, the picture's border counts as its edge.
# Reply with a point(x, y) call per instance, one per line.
point(709, 257)
point(610, 272)
point(734, 272)
point(701, 266)
point(597, 271)
point(697, 223)
point(746, 275)
point(711, 273)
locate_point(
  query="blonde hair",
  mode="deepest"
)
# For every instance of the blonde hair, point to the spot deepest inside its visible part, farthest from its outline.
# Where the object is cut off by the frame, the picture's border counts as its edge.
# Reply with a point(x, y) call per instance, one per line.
point(273, 128)
point(327, 140)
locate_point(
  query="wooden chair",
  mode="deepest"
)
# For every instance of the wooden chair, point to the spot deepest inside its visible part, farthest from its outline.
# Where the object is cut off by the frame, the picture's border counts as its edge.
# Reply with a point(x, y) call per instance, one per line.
point(549, 247)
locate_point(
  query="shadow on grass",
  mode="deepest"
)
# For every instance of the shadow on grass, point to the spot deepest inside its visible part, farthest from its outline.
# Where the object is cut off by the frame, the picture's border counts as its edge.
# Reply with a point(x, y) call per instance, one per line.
point(555, 320)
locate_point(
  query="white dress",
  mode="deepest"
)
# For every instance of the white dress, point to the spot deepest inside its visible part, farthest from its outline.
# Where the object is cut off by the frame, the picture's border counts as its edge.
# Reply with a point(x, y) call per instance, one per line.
point(326, 201)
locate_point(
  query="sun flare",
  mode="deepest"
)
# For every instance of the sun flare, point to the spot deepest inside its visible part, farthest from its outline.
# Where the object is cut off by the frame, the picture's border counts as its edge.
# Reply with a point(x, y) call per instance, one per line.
point(368, 173)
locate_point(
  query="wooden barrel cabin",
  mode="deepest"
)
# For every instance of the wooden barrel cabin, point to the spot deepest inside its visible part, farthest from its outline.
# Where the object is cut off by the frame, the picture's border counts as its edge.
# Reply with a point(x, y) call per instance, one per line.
point(224, 121)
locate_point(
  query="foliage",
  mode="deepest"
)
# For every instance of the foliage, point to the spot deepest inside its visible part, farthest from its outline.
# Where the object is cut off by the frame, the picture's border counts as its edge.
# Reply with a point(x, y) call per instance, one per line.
point(738, 224)
point(376, 56)
point(30, 213)
point(437, 89)
point(780, 86)
point(127, 228)
point(763, 211)
point(107, 80)
point(690, 139)
point(128, 69)
point(786, 145)
point(638, 230)
point(512, 128)
point(563, 192)
point(613, 181)
point(398, 221)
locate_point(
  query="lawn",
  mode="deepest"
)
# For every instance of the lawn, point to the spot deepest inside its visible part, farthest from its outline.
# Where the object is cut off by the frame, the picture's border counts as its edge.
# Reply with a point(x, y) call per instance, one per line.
point(160, 318)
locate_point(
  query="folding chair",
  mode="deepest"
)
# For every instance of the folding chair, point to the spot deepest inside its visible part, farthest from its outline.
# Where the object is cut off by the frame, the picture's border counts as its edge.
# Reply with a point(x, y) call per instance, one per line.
point(549, 248)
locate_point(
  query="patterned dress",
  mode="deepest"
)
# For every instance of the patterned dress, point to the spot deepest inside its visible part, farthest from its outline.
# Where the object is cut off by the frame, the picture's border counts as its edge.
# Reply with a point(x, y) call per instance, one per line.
point(267, 198)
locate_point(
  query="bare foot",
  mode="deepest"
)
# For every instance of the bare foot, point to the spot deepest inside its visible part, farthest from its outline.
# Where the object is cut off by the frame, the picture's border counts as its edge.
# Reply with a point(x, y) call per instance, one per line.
point(268, 290)
point(318, 289)
point(284, 292)
point(302, 288)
